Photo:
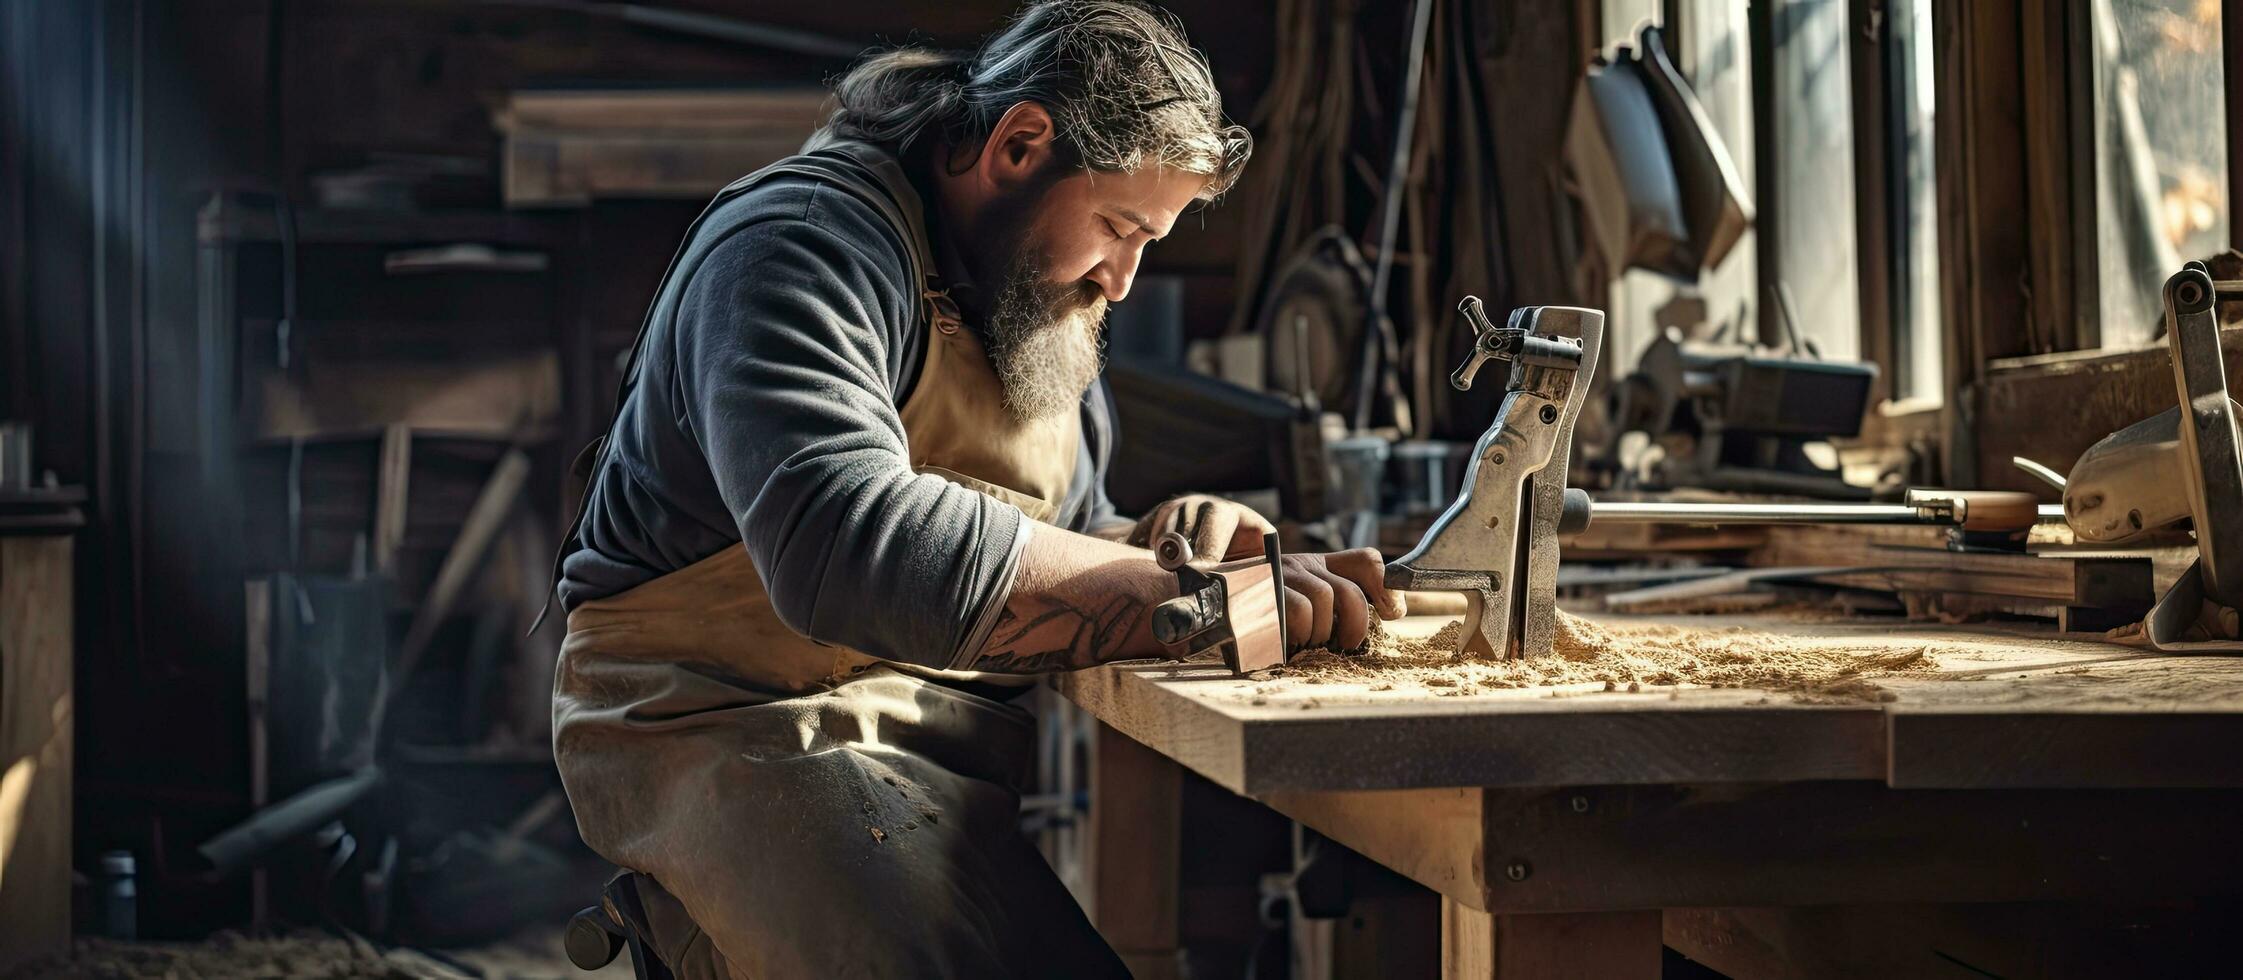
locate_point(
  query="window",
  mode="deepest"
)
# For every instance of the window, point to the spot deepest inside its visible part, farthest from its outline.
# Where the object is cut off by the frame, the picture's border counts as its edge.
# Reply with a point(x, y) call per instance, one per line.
point(2160, 153)
point(1807, 186)
point(1913, 203)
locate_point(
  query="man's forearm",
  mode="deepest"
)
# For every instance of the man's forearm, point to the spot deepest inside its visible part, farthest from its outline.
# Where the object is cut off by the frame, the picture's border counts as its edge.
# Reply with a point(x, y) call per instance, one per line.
point(1077, 601)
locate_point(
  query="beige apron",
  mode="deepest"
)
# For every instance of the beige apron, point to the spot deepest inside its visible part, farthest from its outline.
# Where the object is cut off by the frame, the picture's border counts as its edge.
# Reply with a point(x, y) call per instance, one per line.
point(814, 810)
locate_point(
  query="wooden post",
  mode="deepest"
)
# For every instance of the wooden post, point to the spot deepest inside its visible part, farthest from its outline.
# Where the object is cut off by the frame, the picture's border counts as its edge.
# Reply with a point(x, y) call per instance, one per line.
point(1136, 832)
point(393, 480)
point(1481, 946)
point(36, 709)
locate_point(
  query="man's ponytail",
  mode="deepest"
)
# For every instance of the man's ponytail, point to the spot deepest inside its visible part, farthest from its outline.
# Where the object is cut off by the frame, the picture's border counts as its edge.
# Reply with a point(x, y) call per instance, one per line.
point(897, 96)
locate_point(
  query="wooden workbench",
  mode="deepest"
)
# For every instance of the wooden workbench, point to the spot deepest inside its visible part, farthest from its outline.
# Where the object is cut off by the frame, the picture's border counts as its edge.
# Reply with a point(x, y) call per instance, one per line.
point(1557, 823)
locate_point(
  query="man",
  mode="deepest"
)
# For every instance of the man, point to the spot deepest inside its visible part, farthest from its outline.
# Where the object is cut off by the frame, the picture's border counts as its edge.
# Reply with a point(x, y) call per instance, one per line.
point(853, 500)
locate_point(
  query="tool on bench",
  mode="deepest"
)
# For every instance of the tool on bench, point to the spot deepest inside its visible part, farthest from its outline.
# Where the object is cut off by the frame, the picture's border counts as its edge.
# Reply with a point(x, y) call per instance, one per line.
point(1237, 606)
point(1731, 417)
point(2181, 464)
point(1498, 542)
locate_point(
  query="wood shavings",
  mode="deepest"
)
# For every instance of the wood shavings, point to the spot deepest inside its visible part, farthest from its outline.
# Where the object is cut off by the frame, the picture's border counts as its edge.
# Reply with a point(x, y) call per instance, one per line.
point(1627, 656)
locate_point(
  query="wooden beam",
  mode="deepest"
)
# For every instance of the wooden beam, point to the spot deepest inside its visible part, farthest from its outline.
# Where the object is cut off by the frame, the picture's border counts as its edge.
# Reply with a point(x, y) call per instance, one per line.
point(2057, 160)
point(1519, 852)
point(1983, 246)
point(1136, 834)
point(392, 483)
point(2231, 61)
point(484, 520)
point(37, 714)
point(1478, 946)
point(1874, 156)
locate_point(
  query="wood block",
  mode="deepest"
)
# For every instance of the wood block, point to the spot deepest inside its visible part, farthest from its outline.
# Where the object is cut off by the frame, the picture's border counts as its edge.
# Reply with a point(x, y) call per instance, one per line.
point(36, 714)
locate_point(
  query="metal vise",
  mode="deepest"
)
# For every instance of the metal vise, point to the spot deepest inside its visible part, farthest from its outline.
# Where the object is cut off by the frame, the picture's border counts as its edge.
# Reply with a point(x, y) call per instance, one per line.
point(1498, 542)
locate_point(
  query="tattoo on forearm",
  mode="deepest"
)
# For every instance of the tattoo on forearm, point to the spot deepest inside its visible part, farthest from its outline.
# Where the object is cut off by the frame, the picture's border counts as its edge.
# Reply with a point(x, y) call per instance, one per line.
point(1060, 635)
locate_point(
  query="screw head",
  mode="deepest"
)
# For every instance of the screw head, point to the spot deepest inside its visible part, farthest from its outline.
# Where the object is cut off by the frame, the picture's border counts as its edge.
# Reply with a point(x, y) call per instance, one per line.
point(1580, 804)
point(1549, 414)
point(1517, 870)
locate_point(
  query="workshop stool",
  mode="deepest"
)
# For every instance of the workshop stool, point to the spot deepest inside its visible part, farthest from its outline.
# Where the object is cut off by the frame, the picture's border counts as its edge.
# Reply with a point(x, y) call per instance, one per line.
point(596, 935)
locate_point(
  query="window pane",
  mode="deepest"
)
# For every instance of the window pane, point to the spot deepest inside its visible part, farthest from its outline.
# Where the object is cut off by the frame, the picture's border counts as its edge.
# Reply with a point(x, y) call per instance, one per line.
point(1814, 173)
point(1915, 193)
point(2161, 155)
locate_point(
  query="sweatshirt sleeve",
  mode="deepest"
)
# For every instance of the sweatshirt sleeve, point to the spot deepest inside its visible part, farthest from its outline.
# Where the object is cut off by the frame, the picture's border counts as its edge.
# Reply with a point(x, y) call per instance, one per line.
point(787, 341)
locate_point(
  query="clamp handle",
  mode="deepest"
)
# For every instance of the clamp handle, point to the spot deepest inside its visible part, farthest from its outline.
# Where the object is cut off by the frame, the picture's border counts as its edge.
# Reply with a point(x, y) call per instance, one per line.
point(1489, 342)
point(1476, 317)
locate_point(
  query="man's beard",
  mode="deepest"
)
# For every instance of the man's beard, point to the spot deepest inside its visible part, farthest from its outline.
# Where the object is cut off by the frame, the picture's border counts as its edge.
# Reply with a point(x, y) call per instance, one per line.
point(1045, 339)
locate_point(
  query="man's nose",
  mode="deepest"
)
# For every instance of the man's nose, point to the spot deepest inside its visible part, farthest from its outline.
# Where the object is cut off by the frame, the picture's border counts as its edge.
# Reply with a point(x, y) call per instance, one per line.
point(1114, 275)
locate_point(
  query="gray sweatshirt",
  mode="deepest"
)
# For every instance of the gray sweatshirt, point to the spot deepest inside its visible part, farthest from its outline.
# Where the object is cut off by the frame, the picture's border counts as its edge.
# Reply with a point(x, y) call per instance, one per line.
point(766, 415)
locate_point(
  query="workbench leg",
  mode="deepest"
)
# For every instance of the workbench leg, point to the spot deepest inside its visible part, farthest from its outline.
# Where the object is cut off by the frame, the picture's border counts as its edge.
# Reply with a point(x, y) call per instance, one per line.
point(1476, 945)
point(1136, 833)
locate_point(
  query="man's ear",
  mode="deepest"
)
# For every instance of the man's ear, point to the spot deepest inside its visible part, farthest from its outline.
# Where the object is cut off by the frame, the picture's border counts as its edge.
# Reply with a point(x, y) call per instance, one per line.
point(1018, 145)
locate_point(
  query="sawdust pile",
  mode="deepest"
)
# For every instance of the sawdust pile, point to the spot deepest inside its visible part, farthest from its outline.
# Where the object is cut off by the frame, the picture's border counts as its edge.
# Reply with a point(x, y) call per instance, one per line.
point(229, 954)
point(1628, 657)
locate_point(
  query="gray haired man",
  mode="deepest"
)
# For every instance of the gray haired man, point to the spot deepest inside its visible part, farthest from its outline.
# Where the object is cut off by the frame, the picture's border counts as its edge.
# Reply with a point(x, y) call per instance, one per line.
point(853, 500)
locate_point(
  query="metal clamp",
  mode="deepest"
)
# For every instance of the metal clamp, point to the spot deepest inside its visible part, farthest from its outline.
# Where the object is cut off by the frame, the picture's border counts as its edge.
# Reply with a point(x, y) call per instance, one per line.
point(1498, 541)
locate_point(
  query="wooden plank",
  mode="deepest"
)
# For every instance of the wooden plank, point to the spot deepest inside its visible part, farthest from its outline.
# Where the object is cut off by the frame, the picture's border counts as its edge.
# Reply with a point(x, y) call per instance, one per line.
point(257, 670)
point(392, 480)
point(1136, 836)
point(2050, 408)
point(569, 148)
point(1997, 686)
point(1480, 946)
point(2140, 721)
point(464, 559)
point(37, 710)
point(708, 111)
point(1355, 738)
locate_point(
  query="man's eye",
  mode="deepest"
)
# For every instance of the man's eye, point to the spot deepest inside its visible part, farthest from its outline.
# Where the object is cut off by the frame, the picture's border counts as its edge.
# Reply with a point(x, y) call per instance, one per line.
point(1112, 230)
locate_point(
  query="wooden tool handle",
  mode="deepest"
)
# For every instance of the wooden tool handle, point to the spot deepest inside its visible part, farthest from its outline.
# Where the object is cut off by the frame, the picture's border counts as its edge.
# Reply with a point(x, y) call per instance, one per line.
point(1997, 510)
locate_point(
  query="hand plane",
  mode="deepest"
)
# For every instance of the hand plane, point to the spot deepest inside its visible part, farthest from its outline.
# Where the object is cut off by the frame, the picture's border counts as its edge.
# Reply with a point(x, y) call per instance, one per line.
point(1237, 607)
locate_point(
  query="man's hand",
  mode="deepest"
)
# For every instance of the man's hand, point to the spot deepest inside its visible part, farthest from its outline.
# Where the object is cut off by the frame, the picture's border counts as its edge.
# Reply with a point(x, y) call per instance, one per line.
point(1329, 598)
point(1219, 529)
